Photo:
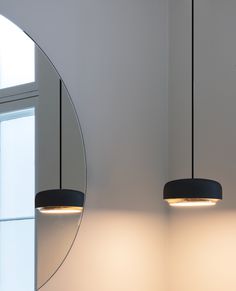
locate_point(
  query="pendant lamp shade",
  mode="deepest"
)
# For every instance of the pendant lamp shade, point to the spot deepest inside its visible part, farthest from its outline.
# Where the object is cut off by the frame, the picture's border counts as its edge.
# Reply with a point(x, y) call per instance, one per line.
point(192, 192)
point(59, 201)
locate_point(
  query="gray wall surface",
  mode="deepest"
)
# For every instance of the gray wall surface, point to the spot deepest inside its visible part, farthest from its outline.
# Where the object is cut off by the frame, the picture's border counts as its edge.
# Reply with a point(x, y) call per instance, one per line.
point(113, 57)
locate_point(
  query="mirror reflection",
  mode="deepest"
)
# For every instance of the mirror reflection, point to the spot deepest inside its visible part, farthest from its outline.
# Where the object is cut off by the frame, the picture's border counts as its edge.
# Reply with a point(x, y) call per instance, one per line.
point(39, 130)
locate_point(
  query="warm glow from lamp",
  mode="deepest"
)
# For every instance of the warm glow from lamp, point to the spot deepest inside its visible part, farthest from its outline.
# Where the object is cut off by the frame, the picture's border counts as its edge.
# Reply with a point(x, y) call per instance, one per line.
point(61, 210)
point(191, 202)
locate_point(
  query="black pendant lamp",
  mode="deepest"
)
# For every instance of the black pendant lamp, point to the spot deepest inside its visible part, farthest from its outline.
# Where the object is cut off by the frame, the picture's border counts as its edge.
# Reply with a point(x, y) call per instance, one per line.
point(192, 191)
point(60, 201)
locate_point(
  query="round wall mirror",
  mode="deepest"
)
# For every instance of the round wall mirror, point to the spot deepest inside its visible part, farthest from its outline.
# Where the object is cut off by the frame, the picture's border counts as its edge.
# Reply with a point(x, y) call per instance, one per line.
point(41, 148)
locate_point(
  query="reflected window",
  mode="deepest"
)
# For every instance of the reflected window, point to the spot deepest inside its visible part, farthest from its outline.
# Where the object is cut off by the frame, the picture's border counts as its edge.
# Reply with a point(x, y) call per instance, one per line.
point(17, 164)
point(17, 255)
point(17, 55)
point(18, 100)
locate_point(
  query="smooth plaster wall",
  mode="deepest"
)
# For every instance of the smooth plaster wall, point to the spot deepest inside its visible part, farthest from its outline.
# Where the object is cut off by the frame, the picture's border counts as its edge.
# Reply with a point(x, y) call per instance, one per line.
point(202, 242)
point(113, 57)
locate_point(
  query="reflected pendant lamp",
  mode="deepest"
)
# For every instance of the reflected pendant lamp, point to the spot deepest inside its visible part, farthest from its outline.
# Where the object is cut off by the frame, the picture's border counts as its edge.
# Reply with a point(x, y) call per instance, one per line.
point(192, 191)
point(60, 201)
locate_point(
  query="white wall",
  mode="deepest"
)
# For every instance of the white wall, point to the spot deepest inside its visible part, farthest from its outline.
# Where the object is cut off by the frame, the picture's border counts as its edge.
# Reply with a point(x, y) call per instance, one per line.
point(202, 255)
point(113, 58)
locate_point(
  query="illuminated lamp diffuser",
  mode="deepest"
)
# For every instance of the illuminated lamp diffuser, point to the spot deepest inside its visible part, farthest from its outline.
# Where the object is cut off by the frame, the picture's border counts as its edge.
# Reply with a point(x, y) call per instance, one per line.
point(192, 192)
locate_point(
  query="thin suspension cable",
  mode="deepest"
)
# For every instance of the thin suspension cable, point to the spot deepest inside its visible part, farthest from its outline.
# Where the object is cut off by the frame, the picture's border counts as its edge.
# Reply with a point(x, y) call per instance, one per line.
point(192, 89)
point(60, 136)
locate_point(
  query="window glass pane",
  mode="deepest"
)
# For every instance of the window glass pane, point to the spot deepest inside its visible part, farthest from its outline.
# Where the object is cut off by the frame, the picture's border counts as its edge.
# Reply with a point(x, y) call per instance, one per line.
point(17, 164)
point(17, 56)
point(17, 255)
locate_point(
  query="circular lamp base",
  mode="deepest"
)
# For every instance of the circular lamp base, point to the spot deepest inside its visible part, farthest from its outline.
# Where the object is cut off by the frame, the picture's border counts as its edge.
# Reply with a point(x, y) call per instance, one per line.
point(192, 192)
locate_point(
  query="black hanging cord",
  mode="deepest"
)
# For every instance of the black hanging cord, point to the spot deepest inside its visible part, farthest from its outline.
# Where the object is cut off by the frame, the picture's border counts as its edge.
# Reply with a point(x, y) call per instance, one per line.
point(60, 136)
point(192, 89)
